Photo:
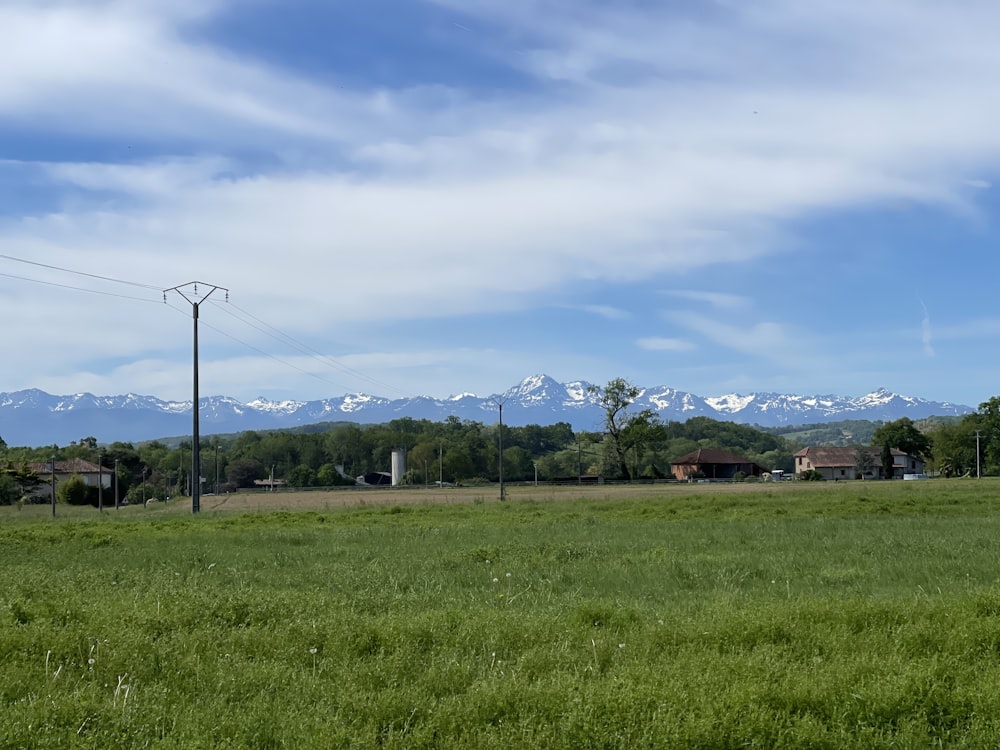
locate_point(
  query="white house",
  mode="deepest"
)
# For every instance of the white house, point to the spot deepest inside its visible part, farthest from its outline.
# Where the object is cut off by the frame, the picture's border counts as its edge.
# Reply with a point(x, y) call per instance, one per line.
point(842, 462)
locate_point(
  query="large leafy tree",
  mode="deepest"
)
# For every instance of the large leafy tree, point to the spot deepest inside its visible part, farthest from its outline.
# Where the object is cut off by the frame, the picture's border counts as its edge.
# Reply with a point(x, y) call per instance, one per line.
point(16, 482)
point(243, 471)
point(955, 446)
point(905, 436)
point(989, 424)
point(627, 431)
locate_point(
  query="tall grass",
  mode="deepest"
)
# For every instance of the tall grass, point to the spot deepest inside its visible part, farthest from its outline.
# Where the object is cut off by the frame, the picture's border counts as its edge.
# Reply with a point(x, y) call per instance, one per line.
point(828, 616)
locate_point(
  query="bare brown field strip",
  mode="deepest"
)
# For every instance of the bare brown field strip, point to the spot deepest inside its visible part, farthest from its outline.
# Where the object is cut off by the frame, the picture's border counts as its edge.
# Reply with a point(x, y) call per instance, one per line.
point(285, 500)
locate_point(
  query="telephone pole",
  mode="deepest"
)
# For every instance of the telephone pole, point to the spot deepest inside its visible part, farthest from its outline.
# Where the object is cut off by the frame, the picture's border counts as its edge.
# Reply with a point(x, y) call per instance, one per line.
point(191, 295)
point(978, 474)
point(500, 401)
point(52, 466)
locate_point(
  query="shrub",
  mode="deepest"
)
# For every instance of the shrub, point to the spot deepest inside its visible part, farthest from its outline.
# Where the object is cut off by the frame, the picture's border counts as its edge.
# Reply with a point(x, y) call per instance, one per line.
point(811, 475)
point(74, 491)
point(9, 490)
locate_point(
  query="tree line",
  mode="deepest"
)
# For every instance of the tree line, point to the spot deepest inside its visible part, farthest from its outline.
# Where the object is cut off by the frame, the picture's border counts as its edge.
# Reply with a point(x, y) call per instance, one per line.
point(632, 445)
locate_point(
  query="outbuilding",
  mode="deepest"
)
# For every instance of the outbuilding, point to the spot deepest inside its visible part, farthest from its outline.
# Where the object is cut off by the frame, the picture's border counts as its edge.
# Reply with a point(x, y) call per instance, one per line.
point(713, 463)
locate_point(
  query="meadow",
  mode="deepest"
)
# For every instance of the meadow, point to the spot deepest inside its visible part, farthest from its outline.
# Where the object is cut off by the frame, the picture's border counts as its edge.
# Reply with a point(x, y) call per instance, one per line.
point(823, 615)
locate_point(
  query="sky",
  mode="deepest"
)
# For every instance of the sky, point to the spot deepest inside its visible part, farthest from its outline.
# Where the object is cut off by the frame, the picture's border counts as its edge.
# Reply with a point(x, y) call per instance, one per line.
point(435, 197)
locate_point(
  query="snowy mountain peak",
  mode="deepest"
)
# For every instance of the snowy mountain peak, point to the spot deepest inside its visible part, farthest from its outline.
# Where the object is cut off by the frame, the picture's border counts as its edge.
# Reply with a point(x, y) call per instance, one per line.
point(33, 417)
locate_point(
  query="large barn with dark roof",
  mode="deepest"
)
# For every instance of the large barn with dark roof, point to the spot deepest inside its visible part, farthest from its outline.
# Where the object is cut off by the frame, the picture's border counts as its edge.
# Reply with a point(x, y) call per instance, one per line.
point(713, 463)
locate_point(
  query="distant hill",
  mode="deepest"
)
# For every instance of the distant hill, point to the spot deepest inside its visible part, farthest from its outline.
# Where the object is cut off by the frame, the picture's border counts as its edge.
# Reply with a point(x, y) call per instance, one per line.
point(848, 431)
point(35, 418)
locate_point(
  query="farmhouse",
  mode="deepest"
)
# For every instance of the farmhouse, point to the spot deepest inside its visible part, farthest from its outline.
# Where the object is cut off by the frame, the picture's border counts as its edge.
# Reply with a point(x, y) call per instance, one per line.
point(713, 463)
point(91, 474)
point(842, 462)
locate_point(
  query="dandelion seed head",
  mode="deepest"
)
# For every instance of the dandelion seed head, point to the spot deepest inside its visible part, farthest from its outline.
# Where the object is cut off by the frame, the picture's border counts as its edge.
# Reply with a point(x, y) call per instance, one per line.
point(508, 575)
point(313, 650)
point(621, 645)
point(91, 660)
point(496, 580)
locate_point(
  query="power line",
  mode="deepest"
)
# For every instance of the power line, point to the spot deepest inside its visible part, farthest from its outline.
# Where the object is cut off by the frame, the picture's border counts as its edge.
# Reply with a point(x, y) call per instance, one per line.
point(260, 351)
point(263, 326)
point(79, 273)
point(285, 338)
point(77, 288)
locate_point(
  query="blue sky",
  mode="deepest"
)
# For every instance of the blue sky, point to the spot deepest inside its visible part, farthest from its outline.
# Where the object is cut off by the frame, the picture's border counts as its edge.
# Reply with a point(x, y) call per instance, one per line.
point(445, 196)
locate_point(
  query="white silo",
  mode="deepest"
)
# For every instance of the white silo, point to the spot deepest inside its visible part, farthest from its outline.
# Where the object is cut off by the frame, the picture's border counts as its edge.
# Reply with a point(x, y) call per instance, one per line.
point(398, 466)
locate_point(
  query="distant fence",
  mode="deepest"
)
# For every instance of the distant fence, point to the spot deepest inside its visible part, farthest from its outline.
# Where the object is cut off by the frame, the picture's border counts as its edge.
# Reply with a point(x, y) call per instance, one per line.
point(588, 480)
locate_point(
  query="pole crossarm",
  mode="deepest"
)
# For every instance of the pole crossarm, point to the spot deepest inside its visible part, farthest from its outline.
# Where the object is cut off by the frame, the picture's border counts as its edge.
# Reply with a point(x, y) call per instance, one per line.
point(190, 293)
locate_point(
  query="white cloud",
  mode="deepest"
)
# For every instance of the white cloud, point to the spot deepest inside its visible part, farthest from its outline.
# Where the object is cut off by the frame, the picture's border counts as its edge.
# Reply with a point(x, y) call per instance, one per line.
point(162, 177)
point(925, 332)
point(767, 340)
point(607, 311)
point(719, 300)
point(126, 68)
point(661, 344)
point(655, 144)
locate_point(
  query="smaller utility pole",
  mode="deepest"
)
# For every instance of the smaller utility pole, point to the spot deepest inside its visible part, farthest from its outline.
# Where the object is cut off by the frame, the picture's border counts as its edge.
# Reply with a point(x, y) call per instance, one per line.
point(500, 401)
point(53, 467)
point(978, 474)
point(117, 504)
point(100, 482)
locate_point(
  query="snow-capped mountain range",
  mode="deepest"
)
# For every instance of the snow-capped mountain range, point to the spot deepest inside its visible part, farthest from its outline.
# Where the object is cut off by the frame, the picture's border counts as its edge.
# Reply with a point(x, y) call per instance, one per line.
point(33, 417)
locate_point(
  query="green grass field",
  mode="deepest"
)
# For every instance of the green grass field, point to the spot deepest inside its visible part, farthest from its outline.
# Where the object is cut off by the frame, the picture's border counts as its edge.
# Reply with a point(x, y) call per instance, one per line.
point(691, 616)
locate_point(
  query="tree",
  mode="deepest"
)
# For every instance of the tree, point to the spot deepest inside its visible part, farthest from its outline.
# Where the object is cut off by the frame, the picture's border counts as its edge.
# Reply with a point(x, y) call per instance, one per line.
point(955, 447)
point(458, 464)
point(424, 459)
point(626, 430)
point(301, 476)
point(10, 493)
point(74, 491)
point(989, 423)
point(864, 461)
point(328, 476)
point(517, 464)
point(887, 465)
point(243, 471)
point(905, 436)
